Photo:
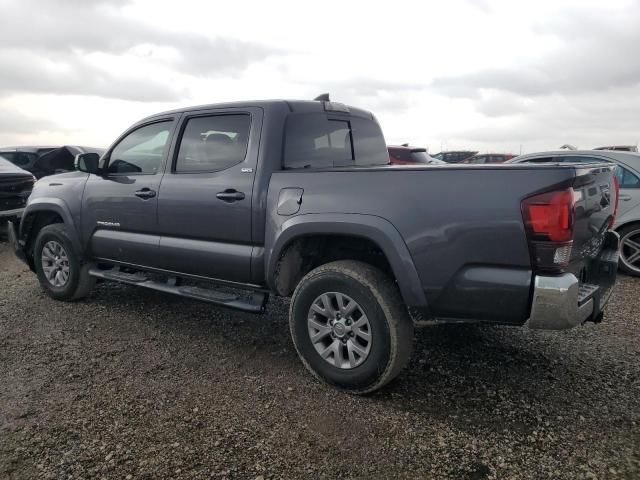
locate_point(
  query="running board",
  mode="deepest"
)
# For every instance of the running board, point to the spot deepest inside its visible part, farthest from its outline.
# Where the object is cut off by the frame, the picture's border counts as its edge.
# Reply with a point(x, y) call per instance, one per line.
point(255, 302)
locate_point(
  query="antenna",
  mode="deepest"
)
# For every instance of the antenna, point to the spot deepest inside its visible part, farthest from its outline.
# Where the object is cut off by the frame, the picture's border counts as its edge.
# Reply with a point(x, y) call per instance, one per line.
point(322, 98)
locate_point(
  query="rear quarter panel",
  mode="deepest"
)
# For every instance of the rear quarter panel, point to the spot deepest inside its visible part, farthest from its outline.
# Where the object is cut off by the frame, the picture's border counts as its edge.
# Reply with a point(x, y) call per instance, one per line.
point(462, 226)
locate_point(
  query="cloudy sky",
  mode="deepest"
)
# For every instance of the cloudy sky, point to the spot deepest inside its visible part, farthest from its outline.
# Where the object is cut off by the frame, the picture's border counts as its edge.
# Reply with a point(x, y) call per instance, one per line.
point(483, 74)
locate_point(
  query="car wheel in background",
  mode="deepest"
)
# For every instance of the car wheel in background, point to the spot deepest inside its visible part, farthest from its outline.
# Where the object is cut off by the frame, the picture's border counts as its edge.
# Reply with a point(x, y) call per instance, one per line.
point(630, 249)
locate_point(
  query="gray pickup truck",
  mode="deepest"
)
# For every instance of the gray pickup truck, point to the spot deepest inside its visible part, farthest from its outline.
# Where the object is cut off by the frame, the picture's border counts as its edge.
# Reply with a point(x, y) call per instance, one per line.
point(230, 203)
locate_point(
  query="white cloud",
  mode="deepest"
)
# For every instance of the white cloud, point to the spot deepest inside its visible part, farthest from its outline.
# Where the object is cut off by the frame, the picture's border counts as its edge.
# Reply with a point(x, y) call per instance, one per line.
point(481, 74)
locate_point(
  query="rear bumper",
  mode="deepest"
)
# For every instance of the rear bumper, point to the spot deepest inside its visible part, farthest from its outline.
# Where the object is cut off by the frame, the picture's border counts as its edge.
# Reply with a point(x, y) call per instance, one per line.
point(15, 244)
point(563, 302)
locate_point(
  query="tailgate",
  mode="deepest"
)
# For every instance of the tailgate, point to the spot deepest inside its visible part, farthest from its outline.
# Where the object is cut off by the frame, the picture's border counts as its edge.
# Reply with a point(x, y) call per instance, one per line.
point(595, 206)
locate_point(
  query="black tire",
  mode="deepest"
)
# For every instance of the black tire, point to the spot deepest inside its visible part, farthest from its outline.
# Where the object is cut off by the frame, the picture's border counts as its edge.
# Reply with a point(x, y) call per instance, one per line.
point(390, 325)
point(79, 283)
point(632, 230)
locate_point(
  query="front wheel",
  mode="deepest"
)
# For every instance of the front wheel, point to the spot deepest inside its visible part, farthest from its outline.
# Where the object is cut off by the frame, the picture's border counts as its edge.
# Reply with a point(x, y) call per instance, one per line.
point(60, 270)
point(350, 326)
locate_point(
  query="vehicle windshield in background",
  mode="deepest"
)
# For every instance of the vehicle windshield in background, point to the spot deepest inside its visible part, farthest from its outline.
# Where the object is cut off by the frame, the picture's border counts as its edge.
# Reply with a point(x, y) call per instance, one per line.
point(424, 157)
point(21, 159)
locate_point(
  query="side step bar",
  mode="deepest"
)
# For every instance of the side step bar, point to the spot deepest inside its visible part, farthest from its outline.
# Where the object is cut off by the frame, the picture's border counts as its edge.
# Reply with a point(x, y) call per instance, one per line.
point(255, 302)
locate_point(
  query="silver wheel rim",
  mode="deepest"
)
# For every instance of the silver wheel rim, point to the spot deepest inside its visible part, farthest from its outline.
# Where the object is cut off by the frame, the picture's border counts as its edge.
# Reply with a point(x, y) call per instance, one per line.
point(55, 264)
point(339, 330)
point(630, 251)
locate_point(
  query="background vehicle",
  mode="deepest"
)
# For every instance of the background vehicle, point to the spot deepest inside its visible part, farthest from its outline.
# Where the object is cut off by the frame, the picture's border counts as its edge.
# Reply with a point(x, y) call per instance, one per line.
point(628, 173)
point(489, 158)
point(60, 160)
point(15, 186)
point(297, 199)
point(620, 148)
point(406, 155)
point(456, 156)
point(24, 157)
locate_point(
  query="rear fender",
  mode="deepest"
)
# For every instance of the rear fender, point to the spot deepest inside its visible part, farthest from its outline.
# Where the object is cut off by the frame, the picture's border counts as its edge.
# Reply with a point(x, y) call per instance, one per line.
point(371, 227)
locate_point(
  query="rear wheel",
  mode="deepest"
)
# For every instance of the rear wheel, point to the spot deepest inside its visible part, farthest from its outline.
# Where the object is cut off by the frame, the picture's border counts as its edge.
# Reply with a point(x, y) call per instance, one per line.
point(630, 249)
point(60, 270)
point(350, 326)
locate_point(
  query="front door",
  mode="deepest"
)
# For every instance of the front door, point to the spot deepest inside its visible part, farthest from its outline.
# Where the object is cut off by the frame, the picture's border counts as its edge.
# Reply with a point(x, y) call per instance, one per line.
point(119, 207)
point(204, 205)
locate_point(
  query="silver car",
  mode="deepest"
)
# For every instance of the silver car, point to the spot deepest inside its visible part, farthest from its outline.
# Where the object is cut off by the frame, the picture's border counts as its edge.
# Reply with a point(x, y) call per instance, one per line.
point(628, 172)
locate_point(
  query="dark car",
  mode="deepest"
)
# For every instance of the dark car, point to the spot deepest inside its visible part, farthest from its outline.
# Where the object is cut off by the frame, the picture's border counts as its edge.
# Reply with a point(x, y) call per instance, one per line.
point(455, 156)
point(24, 157)
point(60, 160)
point(297, 199)
point(489, 158)
point(406, 155)
point(15, 186)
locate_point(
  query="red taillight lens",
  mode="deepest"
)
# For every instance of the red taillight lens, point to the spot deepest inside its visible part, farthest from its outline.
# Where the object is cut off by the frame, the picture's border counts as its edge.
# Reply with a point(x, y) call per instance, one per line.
point(550, 216)
point(549, 220)
point(616, 188)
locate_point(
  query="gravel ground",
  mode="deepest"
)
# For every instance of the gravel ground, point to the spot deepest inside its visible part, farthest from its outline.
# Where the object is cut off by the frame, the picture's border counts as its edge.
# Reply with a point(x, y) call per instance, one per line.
point(129, 383)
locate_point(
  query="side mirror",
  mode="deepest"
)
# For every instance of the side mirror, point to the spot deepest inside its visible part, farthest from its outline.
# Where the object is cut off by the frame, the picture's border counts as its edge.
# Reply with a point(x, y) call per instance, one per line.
point(87, 162)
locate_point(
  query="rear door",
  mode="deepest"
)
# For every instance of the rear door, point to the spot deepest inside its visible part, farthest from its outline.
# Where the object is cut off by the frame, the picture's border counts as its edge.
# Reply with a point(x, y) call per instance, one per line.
point(205, 199)
point(629, 190)
point(119, 207)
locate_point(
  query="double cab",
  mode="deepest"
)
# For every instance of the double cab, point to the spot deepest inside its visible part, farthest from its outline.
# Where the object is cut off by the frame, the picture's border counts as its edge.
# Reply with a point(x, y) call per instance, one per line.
point(231, 203)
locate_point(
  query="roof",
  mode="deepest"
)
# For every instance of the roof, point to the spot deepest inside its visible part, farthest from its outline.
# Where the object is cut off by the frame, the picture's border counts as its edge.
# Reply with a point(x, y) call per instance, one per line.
point(628, 158)
point(27, 148)
point(291, 105)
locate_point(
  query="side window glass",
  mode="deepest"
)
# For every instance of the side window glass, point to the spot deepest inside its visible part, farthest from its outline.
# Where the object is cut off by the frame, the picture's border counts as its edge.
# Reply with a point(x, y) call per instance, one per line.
point(579, 159)
point(142, 151)
point(211, 144)
point(626, 179)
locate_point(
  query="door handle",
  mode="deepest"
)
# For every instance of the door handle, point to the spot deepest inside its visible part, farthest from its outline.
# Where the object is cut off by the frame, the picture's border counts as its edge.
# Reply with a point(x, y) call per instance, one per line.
point(145, 193)
point(230, 195)
point(625, 198)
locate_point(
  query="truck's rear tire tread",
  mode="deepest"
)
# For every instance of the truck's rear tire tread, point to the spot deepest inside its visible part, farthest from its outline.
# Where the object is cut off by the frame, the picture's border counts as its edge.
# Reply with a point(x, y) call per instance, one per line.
point(390, 301)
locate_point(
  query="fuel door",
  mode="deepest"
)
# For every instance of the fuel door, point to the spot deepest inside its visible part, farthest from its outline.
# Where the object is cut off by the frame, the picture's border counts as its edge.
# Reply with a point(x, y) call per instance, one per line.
point(289, 201)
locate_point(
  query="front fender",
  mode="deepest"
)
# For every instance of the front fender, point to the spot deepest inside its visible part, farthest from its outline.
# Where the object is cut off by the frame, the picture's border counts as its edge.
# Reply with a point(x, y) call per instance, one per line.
point(376, 229)
point(49, 204)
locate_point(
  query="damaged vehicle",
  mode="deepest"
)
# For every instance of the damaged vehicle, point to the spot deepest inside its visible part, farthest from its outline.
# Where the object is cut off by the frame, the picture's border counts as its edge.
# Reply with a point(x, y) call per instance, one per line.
point(296, 199)
point(15, 187)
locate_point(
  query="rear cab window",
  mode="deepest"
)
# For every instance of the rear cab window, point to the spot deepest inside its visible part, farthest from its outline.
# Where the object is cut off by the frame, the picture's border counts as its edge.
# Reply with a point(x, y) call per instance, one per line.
point(326, 140)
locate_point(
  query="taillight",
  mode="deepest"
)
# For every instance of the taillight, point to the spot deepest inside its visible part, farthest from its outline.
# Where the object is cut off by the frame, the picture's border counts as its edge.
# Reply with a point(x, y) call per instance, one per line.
point(616, 188)
point(549, 220)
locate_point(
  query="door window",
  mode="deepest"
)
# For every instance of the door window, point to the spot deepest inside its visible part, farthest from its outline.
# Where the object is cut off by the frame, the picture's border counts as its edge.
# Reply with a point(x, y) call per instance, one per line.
point(142, 151)
point(626, 179)
point(214, 143)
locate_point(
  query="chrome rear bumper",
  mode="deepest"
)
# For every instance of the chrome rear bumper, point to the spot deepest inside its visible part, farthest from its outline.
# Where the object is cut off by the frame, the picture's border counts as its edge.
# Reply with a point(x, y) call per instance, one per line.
point(563, 302)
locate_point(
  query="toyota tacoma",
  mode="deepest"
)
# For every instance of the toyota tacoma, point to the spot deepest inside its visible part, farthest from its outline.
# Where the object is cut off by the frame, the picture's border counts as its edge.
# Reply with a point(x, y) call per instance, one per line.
point(231, 203)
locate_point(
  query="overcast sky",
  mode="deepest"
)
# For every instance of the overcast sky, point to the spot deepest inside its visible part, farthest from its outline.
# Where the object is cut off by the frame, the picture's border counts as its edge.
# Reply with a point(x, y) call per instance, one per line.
point(482, 74)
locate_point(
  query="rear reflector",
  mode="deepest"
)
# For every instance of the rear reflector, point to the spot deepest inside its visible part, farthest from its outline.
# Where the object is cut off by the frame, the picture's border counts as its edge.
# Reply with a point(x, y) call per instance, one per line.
point(549, 220)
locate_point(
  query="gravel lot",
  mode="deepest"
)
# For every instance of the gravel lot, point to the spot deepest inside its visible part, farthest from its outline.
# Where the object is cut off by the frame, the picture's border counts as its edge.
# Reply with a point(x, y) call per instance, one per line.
point(129, 383)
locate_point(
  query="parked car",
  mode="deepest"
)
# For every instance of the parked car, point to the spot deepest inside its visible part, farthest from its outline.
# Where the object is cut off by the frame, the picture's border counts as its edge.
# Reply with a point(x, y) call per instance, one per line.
point(620, 148)
point(15, 187)
point(24, 157)
point(489, 158)
point(297, 199)
point(628, 174)
point(60, 160)
point(457, 156)
point(406, 155)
